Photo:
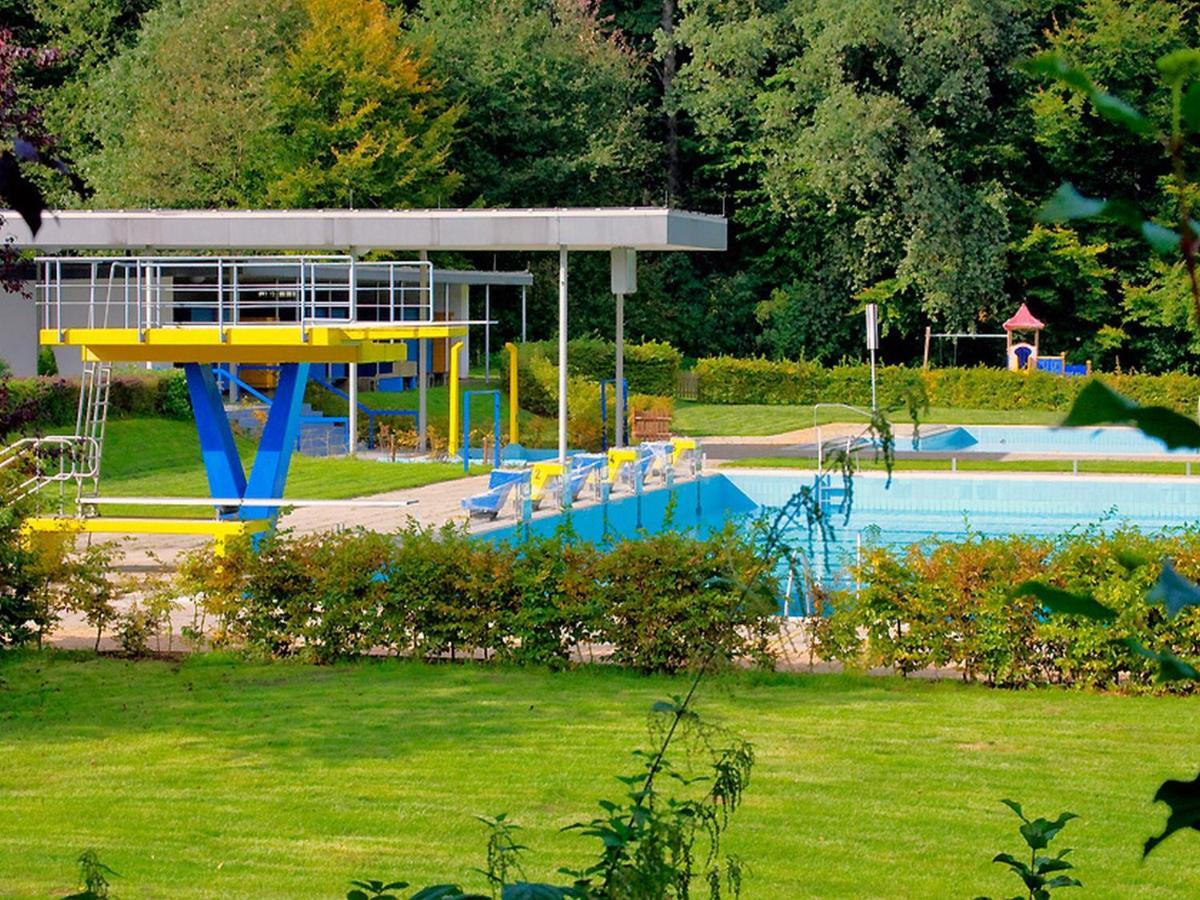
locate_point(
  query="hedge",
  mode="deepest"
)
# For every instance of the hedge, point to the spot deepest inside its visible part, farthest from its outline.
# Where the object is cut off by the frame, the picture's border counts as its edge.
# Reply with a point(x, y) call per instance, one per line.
point(53, 402)
point(430, 593)
point(952, 604)
point(732, 380)
point(650, 368)
point(537, 381)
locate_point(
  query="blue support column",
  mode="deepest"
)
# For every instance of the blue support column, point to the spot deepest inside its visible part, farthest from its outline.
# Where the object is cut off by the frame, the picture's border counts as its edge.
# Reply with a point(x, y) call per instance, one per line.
point(269, 473)
point(226, 477)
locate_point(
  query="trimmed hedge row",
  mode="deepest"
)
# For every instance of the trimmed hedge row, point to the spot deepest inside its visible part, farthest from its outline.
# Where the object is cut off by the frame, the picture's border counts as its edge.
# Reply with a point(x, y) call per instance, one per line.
point(537, 381)
point(650, 368)
point(52, 402)
point(659, 603)
point(728, 379)
point(951, 604)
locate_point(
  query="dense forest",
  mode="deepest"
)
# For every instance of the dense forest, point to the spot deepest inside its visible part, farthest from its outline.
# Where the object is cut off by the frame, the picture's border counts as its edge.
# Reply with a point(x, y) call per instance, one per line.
point(861, 149)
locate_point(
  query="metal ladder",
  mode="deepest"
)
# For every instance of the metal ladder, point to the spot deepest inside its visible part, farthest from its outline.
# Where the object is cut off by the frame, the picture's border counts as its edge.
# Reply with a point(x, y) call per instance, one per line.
point(91, 419)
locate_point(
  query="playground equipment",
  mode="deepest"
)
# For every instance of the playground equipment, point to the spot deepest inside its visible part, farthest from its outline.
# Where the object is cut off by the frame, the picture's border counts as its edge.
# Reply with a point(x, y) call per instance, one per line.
point(285, 311)
point(1021, 355)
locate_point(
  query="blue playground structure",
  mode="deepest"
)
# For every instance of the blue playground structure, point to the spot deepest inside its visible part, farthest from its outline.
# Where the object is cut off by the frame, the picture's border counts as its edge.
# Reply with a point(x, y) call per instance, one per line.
point(466, 425)
point(623, 404)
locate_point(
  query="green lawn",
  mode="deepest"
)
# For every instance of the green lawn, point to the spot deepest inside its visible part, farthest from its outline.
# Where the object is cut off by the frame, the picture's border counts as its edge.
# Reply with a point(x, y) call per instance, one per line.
point(757, 419)
point(1086, 466)
point(437, 406)
point(161, 457)
point(216, 778)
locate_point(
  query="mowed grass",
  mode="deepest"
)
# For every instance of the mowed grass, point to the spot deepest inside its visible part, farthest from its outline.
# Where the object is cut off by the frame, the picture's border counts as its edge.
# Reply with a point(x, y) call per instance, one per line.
point(719, 420)
point(219, 778)
point(155, 457)
point(964, 464)
point(437, 407)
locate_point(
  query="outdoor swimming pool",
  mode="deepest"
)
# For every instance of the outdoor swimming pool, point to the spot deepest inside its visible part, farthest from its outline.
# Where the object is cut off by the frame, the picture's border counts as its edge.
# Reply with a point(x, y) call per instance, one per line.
point(1105, 441)
point(916, 506)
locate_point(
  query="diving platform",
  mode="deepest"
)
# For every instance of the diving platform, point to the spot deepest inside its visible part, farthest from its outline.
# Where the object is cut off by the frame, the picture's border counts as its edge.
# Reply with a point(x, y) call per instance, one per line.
point(250, 309)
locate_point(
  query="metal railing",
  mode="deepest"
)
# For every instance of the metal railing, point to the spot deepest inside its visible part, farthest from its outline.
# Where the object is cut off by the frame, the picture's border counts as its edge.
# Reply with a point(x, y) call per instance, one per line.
point(178, 291)
point(852, 442)
point(41, 461)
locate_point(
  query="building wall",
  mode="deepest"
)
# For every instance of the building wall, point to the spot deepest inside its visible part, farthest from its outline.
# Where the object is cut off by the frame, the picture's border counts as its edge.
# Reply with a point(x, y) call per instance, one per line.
point(18, 333)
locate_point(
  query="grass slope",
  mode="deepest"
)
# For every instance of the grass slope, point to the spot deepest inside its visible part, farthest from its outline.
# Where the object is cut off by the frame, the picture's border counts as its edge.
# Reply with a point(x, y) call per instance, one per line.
point(719, 420)
point(220, 778)
point(161, 458)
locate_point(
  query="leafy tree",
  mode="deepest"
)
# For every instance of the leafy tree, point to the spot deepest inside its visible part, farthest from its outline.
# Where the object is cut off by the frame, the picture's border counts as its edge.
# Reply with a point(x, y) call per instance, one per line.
point(358, 120)
point(553, 108)
point(183, 118)
point(86, 34)
point(875, 124)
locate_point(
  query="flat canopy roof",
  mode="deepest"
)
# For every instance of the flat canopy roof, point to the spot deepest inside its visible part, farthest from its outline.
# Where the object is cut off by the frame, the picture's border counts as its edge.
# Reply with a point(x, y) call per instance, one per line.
point(362, 230)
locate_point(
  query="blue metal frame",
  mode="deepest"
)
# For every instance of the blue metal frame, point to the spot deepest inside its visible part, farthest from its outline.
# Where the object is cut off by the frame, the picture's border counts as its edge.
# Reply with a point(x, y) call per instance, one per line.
point(604, 407)
point(226, 478)
point(268, 474)
point(466, 426)
point(370, 413)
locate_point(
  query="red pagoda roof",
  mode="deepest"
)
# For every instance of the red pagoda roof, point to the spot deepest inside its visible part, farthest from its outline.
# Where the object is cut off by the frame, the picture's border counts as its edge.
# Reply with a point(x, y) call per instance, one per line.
point(1023, 319)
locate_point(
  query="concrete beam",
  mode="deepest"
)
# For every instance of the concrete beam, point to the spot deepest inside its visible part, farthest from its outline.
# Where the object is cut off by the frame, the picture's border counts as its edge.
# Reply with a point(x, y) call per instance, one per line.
point(358, 231)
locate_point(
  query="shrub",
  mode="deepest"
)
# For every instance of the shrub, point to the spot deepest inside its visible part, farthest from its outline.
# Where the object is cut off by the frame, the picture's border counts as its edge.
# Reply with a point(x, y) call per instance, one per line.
point(668, 598)
point(53, 402)
point(951, 604)
point(47, 364)
point(27, 608)
point(733, 380)
point(651, 367)
point(431, 593)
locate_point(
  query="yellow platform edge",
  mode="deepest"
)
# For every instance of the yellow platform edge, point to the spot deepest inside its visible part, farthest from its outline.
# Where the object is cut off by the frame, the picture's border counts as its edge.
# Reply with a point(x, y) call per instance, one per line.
point(220, 530)
point(248, 343)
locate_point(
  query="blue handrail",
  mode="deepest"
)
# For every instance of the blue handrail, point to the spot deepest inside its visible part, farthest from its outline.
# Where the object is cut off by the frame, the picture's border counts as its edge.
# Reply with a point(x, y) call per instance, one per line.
point(229, 376)
point(264, 399)
point(370, 413)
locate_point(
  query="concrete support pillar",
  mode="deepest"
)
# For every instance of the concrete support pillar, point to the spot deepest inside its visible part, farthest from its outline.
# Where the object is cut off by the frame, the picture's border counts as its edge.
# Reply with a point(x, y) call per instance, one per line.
point(619, 387)
point(624, 281)
point(562, 355)
point(423, 368)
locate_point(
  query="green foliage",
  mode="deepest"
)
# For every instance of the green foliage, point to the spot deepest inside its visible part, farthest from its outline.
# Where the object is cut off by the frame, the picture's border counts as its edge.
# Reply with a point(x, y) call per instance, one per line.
point(434, 593)
point(358, 121)
point(27, 573)
point(552, 108)
point(52, 403)
point(651, 367)
point(1042, 874)
point(94, 875)
point(740, 381)
point(47, 365)
point(183, 117)
point(655, 842)
point(954, 604)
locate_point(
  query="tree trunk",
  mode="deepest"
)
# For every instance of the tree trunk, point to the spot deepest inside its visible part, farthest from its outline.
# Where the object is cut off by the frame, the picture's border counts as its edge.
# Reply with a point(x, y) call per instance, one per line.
point(669, 65)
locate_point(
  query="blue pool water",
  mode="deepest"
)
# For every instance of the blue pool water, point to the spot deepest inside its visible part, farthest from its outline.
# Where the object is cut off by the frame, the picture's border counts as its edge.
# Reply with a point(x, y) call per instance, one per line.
point(913, 508)
point(1106, 441)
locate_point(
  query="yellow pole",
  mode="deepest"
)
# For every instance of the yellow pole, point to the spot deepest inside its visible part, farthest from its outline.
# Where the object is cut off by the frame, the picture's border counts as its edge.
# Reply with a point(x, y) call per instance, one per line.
point(452, 438)
point(514, 359)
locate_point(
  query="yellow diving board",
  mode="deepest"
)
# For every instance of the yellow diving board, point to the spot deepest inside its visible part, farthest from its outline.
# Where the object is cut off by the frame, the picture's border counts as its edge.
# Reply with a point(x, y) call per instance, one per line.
point(258, 343)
